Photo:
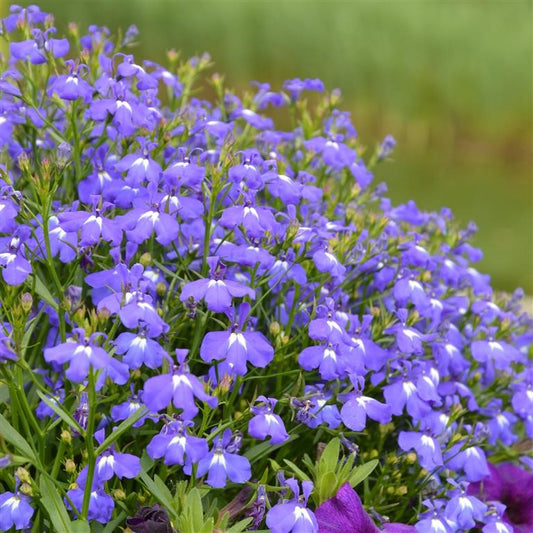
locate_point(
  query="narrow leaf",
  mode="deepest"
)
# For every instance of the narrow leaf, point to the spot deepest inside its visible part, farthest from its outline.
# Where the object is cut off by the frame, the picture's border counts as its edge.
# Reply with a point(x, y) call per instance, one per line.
point(362, 472)
point(60, 412)
point(300, 473)
point(11, 435)
point(54, 506)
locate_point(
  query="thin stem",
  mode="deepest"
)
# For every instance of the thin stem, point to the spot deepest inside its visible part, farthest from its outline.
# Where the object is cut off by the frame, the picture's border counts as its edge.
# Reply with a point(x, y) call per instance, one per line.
point(89, 443)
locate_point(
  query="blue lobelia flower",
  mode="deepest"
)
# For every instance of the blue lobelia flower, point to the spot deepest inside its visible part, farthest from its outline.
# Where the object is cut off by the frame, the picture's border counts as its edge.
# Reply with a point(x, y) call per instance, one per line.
point(426, 446)
point(293, 515)
point(138, 349)
point(36, 49)
point(71, 86)
point(222, 462)
point(112, 463)
point(265, 423)
point(176, 445)
point(216, 292)
point(15, 511)
point(179, 387)
point(235, 346)
point(357, 407)
point(81, 353)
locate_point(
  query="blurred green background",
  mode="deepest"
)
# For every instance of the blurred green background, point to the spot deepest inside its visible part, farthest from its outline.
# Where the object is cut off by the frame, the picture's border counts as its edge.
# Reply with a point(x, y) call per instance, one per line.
point(451, 81)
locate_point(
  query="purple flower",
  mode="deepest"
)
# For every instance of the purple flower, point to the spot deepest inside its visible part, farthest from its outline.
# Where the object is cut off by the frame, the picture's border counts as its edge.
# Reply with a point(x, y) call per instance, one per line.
point(139, 350)
point(296, 86)
point(153, 519)
point(293, 515)
point(216, 292)
point(16, 267)
point(176, 445)
point(235, 347)
point(426, 447)
point(80, 352)
point(101, 504)
point(265, 423)
point(179, 387)
point(512, 486)
point(344, 513)
point(15, 511)
point(358, 407)
point(35, 49)
point(221, 463)
point(71, 86)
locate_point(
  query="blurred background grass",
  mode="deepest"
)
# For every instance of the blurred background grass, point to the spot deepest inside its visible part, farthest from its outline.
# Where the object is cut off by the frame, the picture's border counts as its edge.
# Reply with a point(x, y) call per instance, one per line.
point(451, 81)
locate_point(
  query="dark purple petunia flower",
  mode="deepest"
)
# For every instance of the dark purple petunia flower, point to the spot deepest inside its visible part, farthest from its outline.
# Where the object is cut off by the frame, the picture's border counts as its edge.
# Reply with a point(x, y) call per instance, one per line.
point(512, 486)
point(344, 513)
point(153, 519)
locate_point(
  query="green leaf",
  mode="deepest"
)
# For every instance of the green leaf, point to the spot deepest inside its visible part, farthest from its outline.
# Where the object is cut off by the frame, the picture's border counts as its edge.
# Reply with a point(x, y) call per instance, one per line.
point(327, 486)
point(159, 491)
point(121, 429)
point(61, 413)
point(362, 472)
point(241, 526)
point(300, 473)
point(11, 435)
point(42, 290)
point(81, 526)
point(113, 526)
point(54, 506)
point(330, 456)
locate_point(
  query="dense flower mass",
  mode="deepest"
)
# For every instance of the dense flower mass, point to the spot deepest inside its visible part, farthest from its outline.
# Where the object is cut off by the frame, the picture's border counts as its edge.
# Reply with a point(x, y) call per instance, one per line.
point(197, 301)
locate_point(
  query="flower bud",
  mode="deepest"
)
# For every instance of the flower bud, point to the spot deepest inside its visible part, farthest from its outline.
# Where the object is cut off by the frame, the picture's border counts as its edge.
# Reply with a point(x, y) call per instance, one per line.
point(161, 289)
point(66, 436)
point(70, 466)
point(26, 489)
point(23, 475)
point(145, 259)
point(274, 328)
point(27, 301)
point(119, 494)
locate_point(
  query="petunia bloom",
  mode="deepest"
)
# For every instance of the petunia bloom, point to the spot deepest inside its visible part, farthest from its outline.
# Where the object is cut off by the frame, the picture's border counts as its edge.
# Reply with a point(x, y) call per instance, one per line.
point(344, 513)
point(512, 486)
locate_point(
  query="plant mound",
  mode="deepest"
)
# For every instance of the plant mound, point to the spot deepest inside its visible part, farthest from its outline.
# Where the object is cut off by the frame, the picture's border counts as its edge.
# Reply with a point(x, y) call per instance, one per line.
point(209, 323)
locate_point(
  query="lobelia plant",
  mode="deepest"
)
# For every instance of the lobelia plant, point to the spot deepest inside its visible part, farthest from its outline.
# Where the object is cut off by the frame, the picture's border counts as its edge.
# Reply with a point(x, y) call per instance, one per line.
point(211, 324)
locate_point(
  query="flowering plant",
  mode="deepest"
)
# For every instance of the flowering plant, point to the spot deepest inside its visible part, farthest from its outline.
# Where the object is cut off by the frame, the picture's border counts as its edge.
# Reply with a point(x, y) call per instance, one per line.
point(212, 324)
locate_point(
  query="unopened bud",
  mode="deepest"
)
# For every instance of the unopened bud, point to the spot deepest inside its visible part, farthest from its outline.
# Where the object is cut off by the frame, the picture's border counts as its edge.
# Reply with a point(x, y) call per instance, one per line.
point(27, 301)
point(70, 466)
point(274, 328)
point(26, 489)
point(24, 162)
point(119, 494)
point(161, 289)
point(145, 259)
point(66, 436)
point(23, 475)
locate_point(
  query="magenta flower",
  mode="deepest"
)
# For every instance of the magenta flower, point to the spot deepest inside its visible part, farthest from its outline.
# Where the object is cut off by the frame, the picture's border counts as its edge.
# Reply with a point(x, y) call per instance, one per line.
point(512, 486)
point(344, 513)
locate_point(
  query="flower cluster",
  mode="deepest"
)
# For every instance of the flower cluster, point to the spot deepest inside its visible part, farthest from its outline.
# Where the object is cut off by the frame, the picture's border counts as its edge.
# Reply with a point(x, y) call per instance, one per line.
point(194, 301)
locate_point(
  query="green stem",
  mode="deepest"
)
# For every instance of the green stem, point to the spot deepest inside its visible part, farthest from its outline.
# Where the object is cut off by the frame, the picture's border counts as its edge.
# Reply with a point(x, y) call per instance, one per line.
point(89, 443)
